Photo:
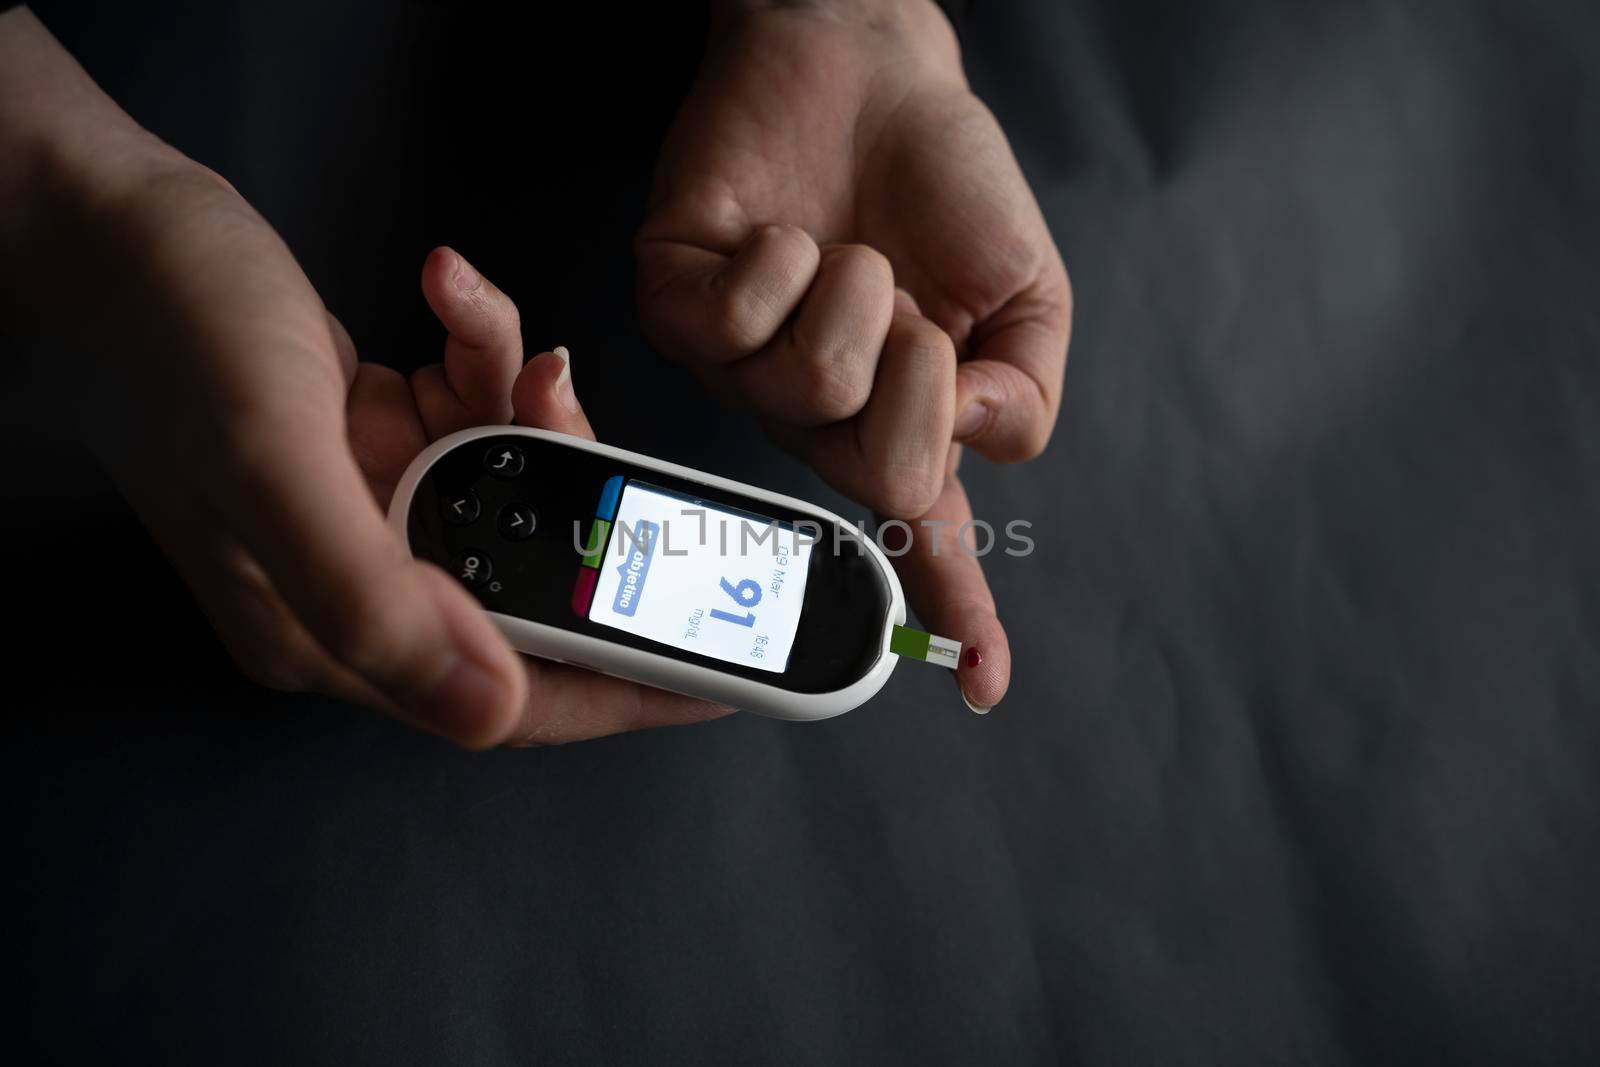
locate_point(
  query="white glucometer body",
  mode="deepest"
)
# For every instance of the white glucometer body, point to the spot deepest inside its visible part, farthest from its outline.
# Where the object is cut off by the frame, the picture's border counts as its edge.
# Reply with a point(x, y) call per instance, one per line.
point(654, 572)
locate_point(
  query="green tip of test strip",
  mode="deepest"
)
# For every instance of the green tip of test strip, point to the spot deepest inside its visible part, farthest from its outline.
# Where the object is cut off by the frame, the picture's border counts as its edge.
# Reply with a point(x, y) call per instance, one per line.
point(914, 644)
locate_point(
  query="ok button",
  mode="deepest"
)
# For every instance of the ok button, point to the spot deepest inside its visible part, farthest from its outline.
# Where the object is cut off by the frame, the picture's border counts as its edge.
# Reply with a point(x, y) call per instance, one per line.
point(472, 568)
point(516, 522)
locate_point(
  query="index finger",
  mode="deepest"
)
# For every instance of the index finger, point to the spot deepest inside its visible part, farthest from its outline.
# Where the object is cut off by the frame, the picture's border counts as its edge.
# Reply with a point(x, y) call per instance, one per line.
point(483, 351)
point(945, 586)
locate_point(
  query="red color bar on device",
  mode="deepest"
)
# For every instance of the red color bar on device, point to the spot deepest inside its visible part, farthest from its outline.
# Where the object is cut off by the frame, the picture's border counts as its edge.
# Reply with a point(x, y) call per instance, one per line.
point(583, 591)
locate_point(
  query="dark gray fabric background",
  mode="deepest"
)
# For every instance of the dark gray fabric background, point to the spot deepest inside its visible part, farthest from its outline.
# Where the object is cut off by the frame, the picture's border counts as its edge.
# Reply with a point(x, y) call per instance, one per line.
point(1301, 762)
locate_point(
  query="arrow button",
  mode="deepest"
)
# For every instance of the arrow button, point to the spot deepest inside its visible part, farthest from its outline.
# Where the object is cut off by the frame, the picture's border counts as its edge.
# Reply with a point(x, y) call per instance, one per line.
point(460, 509)
point(503, 461)
point(516, 522)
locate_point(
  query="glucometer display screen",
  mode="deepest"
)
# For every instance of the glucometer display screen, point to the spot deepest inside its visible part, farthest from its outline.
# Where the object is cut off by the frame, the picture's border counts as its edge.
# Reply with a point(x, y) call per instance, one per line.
point(699, 577)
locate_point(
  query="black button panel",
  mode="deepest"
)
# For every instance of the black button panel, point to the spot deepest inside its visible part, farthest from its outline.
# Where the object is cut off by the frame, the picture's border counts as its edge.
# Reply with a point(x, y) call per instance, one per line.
point(516, 522)
point(472, 568)
point(460, 509)
point(504, 461)
point(480, 495)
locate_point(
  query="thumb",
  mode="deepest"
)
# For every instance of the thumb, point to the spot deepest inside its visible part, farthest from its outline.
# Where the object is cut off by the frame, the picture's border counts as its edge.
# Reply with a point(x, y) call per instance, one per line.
point(305, 512)
point(1009, 392)
point(543, 396)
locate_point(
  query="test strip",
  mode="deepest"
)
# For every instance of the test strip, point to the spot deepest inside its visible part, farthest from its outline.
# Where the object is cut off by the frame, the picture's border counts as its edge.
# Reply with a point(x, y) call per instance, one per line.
point(914, 644)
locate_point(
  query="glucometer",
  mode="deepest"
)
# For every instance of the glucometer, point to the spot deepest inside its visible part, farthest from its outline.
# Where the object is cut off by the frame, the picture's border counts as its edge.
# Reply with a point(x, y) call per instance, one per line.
point(661, 574)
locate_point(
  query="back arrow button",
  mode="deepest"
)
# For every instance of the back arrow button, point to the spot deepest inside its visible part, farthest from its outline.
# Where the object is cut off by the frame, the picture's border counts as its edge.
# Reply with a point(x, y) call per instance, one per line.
point(503, 461)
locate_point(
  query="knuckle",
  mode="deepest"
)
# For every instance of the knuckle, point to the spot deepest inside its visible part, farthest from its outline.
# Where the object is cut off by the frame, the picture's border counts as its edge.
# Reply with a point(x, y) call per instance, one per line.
point(505, 315)
point(833, 384)
point(248, 447)
point(359, 635)
point(739, 318)
point(1039, 408)
point(490, 311)
point(787, 233)
point(263, 640)
point(925, 362)
point(905, 491)
point(1034, 438)
point(279, 670)
point(785, 251)
point(424, 377)
point(501, 309)
point(271, 655)
point(1023, 440)
point(925, 347)
point(864, 264)
point(211, 175)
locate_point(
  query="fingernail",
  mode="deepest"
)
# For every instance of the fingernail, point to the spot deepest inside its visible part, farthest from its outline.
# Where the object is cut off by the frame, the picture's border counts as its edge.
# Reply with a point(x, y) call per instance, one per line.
point(465, 277)
point(564, 393)
point(976, 709)
point(972, 420)
point(465, 687)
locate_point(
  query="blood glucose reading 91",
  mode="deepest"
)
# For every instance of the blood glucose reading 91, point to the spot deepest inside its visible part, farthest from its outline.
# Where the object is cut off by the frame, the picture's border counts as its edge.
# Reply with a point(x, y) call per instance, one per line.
point(703, 579)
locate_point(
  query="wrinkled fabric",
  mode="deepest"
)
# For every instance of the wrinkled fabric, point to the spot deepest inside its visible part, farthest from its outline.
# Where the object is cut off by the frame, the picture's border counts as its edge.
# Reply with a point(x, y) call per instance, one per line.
point(1301, 758)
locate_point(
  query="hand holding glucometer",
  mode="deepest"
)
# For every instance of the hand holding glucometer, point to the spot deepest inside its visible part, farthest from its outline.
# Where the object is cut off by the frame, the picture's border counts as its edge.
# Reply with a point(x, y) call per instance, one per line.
point(623, 564)
point(630, 566)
